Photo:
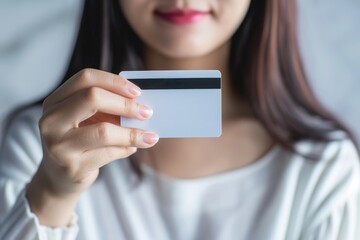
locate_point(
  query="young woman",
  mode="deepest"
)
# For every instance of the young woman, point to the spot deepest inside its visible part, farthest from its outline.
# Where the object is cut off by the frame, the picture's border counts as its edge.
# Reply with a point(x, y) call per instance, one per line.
point(284, 168)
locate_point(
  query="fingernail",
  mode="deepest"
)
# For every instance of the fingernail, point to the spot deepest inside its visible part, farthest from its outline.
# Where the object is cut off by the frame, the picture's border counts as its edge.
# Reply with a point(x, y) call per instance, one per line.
point(150, 138)
point(134, 90)
point(145, 111)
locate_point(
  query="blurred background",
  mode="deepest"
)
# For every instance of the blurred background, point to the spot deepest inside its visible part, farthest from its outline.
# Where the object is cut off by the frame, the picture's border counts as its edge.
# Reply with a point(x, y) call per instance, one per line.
point(37, 36)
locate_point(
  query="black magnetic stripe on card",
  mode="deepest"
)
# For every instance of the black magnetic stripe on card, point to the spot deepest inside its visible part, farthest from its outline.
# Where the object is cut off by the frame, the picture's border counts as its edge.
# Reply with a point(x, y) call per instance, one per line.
point(177, 83)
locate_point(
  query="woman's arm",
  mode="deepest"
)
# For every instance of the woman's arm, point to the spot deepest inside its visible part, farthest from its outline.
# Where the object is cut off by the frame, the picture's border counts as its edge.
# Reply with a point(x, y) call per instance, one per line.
point(334, 209)
point(20, 157)
point(79, 132)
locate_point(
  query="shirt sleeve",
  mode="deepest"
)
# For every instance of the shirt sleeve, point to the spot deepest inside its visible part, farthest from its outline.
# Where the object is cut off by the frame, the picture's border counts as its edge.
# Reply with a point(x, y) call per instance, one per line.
point(339, 225)
point(21, 223)
point(335, 212)
point(20, 156)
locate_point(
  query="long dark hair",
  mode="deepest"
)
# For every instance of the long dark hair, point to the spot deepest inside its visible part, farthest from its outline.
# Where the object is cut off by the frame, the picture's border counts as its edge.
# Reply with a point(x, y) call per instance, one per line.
point(265, 65)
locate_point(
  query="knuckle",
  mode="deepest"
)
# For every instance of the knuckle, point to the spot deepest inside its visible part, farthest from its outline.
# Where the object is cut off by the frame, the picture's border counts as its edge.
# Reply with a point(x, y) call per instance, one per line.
point(103, 133)
point(116, 81)
point(133, 136)
point(128, 106)
point(85, 75)
point(92, 94)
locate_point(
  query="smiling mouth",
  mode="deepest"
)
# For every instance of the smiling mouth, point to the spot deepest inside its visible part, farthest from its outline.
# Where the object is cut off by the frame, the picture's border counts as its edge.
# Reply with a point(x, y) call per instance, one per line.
point(182, 16)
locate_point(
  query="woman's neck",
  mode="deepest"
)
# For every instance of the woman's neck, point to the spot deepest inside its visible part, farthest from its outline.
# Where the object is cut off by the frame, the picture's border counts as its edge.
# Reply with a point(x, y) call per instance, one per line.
point(218, 59)
point(243, 138)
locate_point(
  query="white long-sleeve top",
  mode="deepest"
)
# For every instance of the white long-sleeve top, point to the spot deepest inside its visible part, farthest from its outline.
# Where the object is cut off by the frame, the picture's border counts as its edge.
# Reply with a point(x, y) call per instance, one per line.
point(280, 196)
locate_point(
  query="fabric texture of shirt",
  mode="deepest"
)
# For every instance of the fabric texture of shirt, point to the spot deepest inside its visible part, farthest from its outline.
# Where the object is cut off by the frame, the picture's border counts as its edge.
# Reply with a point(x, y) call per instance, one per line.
point(281, 196)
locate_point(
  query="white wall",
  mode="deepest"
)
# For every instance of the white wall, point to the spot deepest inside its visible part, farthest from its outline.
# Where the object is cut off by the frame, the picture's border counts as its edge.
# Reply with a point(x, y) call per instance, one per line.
point(36, 38)
point(330, 42)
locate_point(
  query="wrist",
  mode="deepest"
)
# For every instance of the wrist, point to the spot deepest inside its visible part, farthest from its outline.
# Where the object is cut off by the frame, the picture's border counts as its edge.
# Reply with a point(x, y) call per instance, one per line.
point(52, 209)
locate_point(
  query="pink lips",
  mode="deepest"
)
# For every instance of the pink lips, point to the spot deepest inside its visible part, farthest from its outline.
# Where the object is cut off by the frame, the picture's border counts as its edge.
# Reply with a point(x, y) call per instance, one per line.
point(181, 16)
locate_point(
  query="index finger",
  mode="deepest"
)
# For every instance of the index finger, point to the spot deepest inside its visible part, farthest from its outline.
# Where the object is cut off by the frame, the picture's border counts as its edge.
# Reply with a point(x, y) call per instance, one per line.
point(94, 78)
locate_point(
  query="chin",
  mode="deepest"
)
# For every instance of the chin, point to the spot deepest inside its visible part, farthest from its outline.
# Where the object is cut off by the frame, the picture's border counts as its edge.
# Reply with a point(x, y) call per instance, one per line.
point(186, 54)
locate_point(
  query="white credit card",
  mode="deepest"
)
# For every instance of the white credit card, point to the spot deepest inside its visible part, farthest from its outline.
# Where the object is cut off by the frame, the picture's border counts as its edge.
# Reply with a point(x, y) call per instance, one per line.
point(186, 103)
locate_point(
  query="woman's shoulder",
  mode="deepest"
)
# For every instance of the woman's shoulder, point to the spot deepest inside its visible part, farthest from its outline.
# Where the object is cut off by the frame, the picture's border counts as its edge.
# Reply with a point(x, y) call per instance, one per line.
point(331, 182)
point(330, 164)
point(340, 151)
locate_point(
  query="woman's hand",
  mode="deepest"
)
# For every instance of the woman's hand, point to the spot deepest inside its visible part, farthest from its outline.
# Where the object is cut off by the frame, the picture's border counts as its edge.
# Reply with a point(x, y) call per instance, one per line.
point(80, 131)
